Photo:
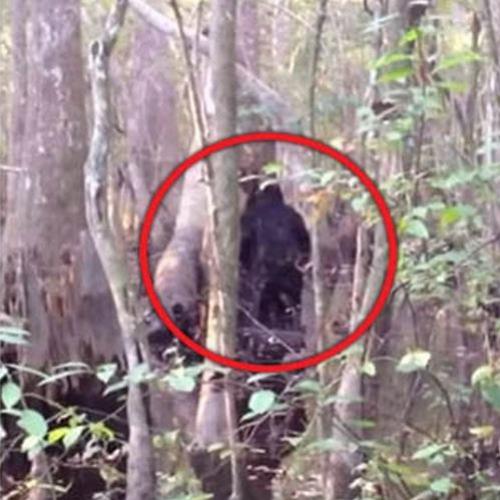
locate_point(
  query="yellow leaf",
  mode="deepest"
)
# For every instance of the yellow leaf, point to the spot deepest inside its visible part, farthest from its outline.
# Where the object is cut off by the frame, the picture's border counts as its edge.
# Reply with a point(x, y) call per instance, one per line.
point(482, 432)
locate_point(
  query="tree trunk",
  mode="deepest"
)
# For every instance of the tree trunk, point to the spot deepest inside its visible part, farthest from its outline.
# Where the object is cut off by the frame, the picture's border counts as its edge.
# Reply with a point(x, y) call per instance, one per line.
point(46, 217)
point(15, 179)
point(112, 253)
point(217, 395)
point(152, 135)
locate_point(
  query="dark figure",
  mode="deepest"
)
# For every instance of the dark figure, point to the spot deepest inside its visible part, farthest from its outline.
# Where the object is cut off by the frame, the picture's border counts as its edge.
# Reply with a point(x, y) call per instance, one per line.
point(274, 244)
point(162, 343)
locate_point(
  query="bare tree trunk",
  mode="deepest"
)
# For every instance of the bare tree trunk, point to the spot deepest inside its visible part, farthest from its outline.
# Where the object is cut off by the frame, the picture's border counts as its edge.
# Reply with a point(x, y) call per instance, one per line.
point(140, 475)
point(152, 134)
point(224, 241)
point(19, 16)
point(15, 179)
point(248, 42)
point(49, 139)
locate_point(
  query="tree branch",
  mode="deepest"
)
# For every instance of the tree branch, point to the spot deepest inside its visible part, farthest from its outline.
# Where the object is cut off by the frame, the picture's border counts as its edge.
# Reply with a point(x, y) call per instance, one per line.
point(256, 87)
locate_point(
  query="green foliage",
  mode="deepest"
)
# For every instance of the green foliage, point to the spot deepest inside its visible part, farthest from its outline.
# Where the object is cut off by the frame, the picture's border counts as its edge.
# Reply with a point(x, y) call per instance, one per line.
point(184, 379)
point(488, 381)
point(11, 395)
point(262, 401)
point(33, 423)
point(457, 59)
point(13, 335)
point(369, 368)
point(414, 361)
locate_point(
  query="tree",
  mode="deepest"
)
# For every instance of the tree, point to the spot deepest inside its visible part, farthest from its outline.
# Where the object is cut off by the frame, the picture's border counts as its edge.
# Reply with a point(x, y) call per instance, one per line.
point(216, 419)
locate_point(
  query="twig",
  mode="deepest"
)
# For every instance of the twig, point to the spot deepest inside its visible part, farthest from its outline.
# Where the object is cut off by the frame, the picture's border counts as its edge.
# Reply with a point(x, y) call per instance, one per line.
point(367, 8)
point(186, 46)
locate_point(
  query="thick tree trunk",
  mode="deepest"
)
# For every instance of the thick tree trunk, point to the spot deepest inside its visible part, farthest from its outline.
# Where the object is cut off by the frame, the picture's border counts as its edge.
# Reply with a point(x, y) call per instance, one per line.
point(68, 308)
point(152, 135)
point(13, 206)
point(46, 212)
point(248, 43)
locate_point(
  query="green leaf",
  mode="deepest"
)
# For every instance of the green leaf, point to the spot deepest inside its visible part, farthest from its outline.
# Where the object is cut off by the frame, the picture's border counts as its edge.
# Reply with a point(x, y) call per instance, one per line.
point(482, 374)
point(359, 203)
point(369, 368)
point(33, 423)
point(327, 177)
point(13, 335)
point(457, 59)
point(272, 168)
point(11, 394)
point(410, 36)
point(420, 212)
point(451, 215)
point(63, 372)
point(482, 432)
point(100, 431)
point(491, 393)
point(417, 228)
point(139, 374)
point(396, 74)
point(308, 385)
point(258, 377)
point(261, 401)
point(26, 369)
point(106, 371)
point(394, 136)
point(392, 58)
point(414, 361)
point(72, 436)
point(181, 382)
point(57, 434)
point(362, 423)
point(429, 451)
point(453, 86)
point(329, 444)
point(442, 485)
point(31, 443)
point(70, 366)
point(194, 370)
point(3, 371)
point(118, 386)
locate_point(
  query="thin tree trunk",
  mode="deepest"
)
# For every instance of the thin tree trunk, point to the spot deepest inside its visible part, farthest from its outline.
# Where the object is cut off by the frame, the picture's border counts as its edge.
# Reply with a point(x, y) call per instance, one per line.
point(140, 469)
point(224, 236)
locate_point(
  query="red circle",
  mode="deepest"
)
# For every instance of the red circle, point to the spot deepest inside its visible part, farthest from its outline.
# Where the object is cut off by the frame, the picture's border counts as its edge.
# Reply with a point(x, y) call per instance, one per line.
point(307, 142)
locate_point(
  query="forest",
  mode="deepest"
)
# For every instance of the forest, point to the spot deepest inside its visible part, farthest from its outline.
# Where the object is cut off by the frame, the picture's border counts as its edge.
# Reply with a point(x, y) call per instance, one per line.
point(249, 249)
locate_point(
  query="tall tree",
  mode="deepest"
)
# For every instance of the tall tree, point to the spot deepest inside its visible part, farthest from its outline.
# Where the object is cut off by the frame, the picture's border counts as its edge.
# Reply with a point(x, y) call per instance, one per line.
point(15, 178)
point(49, 138)
point(152, 135)
point(66, 298)
point(217, 395)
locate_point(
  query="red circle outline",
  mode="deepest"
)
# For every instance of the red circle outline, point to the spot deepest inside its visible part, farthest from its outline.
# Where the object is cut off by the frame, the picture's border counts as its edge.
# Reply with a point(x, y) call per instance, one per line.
point(307, 142)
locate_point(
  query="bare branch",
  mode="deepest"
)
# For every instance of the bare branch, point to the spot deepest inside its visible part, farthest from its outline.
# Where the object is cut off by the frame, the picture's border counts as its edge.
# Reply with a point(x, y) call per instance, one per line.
point(252, 84)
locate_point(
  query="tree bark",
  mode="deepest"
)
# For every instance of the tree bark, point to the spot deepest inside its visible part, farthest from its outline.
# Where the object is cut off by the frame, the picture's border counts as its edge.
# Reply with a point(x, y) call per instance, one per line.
point(140, 470)
point(152, 135)
point(217, 396)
